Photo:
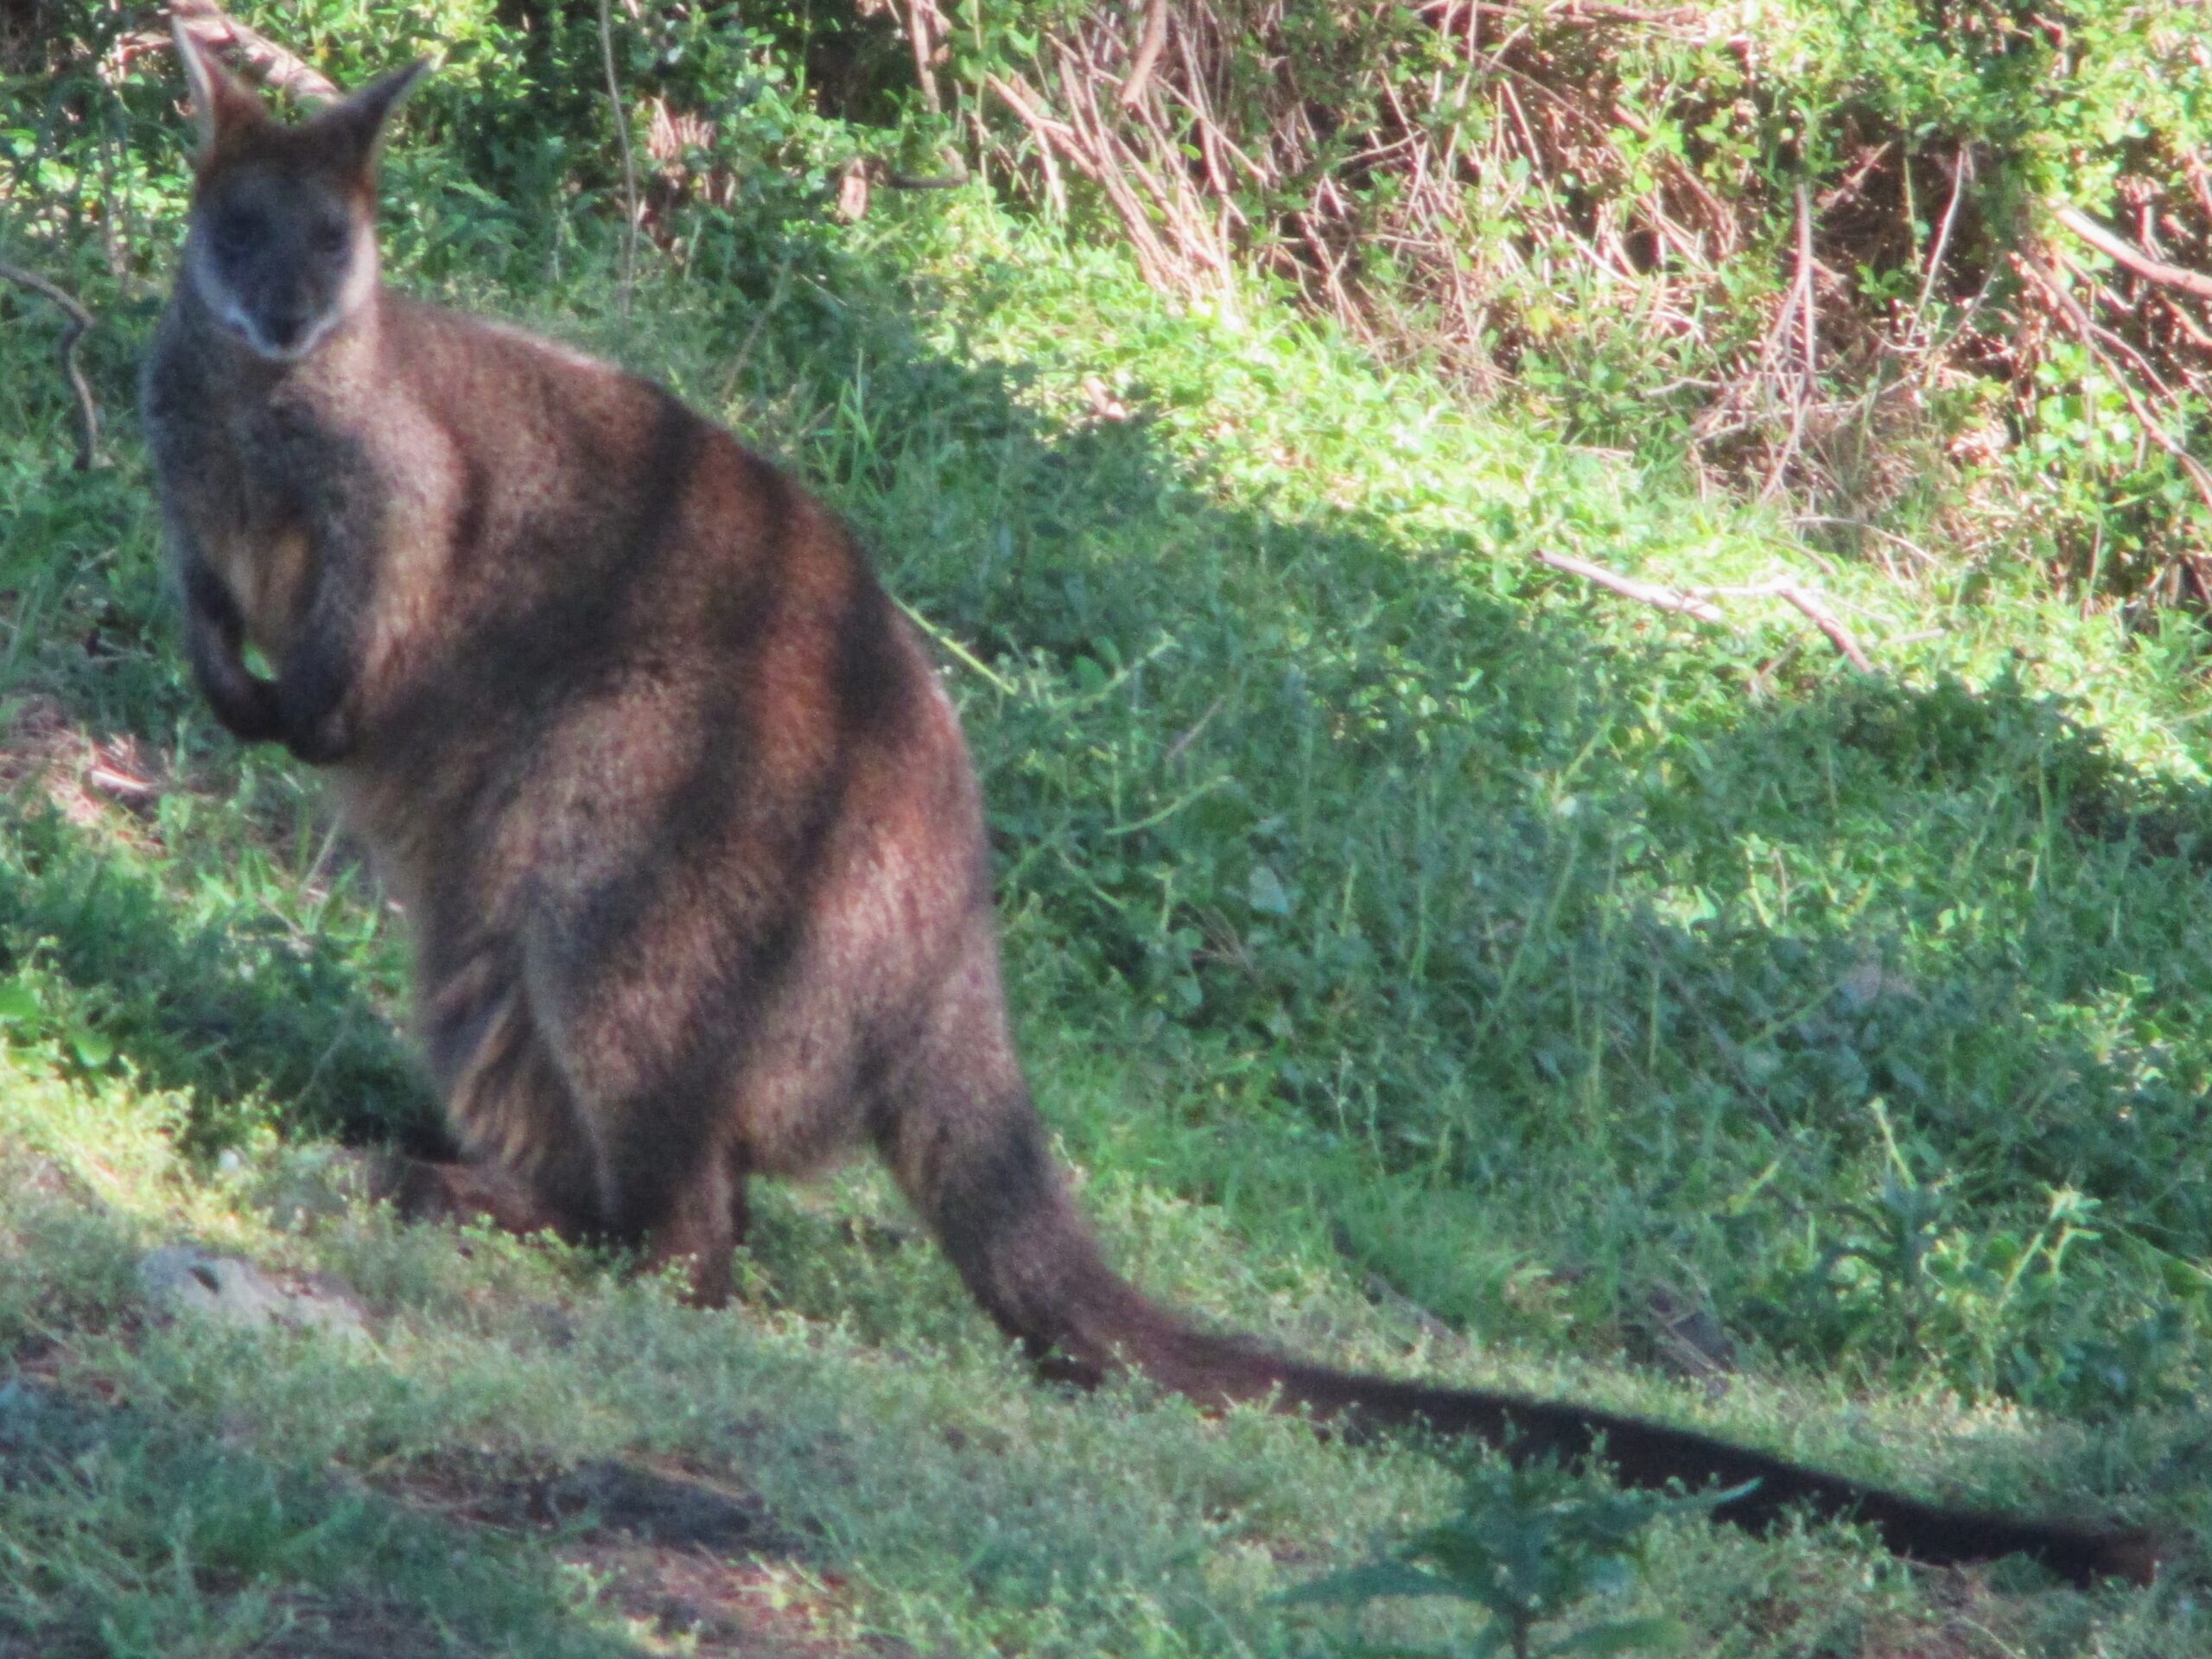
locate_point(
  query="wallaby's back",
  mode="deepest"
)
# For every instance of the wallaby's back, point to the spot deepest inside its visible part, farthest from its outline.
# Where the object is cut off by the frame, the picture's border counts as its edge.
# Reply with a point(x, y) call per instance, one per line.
point(683, 825)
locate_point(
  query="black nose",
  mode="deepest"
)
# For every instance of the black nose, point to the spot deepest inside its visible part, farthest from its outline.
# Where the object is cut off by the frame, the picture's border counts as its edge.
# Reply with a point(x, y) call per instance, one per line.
point(285, 330)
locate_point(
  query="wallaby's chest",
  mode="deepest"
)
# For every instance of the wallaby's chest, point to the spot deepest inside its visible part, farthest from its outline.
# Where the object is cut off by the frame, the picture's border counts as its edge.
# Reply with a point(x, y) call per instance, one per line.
point(249, 479)
point(267, 569)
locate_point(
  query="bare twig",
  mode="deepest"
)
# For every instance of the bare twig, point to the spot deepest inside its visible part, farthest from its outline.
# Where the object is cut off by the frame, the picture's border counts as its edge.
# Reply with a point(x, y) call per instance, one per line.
point(1644, 593)
point(919, 17)
point(79, 320)
point(1962, 175)
point(1802, 307)
point(2085, 330)
point(629, 162)
point(1053, 137)
point(752, 332)
point(2192, 283)
point(1698, 602)
point(1863, 528)
point(261, 57)
point(2200, 182)
point(1816, 611)
point(1148, 47)
point(2098, 291)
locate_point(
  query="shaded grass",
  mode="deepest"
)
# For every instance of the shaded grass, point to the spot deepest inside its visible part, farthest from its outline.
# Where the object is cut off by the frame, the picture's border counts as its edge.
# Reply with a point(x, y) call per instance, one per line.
point(1377, 905)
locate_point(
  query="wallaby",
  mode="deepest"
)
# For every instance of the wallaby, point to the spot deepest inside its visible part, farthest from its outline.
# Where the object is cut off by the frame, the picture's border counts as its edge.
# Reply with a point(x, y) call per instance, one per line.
point(682, 825)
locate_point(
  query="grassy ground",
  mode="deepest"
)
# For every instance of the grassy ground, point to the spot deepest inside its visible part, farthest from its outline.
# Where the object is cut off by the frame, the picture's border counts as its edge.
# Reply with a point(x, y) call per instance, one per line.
point(1428, 963)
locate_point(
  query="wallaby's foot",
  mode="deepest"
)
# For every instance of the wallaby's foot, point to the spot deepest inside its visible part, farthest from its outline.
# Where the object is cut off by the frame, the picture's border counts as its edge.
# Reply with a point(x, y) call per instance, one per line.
point(702, 1235)
point(707, 1278)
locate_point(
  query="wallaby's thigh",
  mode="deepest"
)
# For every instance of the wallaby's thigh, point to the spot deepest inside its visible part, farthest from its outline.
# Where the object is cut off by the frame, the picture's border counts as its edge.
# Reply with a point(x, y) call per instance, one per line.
point(531, 1161)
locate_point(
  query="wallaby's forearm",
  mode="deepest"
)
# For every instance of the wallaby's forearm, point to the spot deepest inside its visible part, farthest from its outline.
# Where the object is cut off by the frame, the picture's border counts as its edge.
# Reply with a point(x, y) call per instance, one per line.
point(244, 704)
point(305, 707)
point(311, 692)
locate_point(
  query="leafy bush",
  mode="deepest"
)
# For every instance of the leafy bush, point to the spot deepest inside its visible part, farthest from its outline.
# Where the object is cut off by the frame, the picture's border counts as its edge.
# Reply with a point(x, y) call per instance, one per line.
point(1816, 243)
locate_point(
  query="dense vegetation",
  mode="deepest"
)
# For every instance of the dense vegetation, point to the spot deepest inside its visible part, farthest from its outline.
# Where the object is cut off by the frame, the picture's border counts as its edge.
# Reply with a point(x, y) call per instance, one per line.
point(1430, 960)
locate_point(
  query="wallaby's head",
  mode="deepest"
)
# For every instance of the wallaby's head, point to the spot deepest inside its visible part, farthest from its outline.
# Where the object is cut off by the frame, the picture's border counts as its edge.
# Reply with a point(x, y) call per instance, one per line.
point(281, 246)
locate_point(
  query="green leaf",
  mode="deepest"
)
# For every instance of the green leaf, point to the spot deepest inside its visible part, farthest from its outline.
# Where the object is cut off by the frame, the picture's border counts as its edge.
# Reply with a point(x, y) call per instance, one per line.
point(1264, 891)
point(18, 1000)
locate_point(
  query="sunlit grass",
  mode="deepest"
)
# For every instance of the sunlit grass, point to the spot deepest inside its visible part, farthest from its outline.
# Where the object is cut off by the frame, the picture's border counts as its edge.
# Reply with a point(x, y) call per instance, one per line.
point(1427, 960)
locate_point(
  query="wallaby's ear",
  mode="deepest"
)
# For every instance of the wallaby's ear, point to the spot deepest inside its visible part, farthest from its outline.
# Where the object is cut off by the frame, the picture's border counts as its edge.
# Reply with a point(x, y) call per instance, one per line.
point(361, 118)
point(221, 106)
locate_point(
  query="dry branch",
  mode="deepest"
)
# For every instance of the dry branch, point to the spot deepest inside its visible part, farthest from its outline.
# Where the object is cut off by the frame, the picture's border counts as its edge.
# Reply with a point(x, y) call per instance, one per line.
point(1698, 602)
point(2118, 248)
point(621, 114)
point(1816, 611)
point(1155, 37)
point(1204, 131)
point(1803, 306)
point(79, 320)
point(2085, 330)
point(920, 14)
point(1644, 593)
point(259, 56)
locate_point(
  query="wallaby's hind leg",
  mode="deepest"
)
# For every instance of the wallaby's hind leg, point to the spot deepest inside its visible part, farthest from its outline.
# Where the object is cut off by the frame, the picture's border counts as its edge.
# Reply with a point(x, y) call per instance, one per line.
point(699, 1228)
point(528, 1164)
point(666, 1180)
point(710, 1217)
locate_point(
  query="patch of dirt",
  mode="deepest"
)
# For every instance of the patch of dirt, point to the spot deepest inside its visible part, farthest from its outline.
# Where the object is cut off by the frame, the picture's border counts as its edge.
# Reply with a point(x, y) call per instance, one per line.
point(353, 1627)
point(76, 1638)
point(603, 1499)
point(675, 1550)
point(84, 777)
point(726, 1610)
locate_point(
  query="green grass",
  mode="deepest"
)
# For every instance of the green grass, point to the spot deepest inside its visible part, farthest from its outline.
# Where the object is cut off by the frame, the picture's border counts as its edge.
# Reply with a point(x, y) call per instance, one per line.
point(1426, 960)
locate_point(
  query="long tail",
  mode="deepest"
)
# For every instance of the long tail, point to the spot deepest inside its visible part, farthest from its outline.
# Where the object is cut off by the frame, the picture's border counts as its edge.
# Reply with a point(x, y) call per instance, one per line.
point(990, 1188)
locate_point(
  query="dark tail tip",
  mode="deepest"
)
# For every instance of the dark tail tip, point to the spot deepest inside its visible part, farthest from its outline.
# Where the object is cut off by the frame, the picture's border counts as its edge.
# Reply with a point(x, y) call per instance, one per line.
point(1938, 1537)
point(2133, 1556)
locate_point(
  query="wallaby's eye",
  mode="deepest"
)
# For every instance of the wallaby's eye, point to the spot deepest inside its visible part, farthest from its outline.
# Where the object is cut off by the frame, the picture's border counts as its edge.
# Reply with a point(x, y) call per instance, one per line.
point(236, 230)
point(328, 236)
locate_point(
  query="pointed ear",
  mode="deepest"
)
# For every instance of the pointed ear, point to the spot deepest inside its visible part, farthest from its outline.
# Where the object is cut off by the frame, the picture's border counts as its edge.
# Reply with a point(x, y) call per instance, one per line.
point(360, 120)
point(221, 106)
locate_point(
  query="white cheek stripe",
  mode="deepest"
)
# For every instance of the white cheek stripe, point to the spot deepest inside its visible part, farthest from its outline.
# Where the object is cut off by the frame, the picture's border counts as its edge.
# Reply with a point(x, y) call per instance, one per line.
point(360, 282)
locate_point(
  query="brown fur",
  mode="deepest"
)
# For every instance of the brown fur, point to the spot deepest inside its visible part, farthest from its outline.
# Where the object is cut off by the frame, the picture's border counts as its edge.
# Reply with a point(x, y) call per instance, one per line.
point(684, 827)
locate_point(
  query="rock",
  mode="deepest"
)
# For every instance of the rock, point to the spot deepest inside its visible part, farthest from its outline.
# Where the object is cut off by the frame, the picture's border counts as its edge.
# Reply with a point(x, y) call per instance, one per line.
point(179, 1279)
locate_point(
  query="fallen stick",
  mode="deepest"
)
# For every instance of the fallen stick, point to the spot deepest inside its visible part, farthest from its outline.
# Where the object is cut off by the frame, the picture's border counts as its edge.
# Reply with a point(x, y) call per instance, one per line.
point(88, 412)
point(2192, 283)
point(1698, 602)
point(1644, 593)
point(1815, 609)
